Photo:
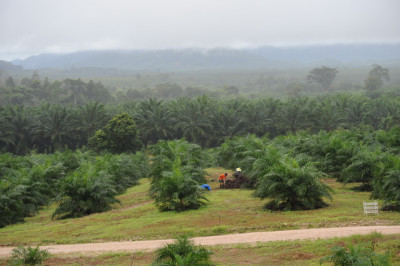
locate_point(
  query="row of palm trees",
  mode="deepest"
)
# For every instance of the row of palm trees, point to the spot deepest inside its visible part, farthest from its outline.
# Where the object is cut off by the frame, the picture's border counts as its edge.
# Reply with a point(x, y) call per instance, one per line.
point(203, 120)
point(287, 169)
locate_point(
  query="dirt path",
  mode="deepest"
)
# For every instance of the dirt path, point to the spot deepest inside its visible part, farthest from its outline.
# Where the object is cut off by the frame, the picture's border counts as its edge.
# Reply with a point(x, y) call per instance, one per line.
point(217, 240)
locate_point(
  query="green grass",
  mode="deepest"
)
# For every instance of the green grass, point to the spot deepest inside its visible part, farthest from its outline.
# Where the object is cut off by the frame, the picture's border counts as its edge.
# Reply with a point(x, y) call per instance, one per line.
point(302, 252)
point(228, 211)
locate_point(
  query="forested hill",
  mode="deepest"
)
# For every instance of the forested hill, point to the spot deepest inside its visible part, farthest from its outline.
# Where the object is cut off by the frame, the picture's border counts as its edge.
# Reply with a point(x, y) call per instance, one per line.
point(196, 59)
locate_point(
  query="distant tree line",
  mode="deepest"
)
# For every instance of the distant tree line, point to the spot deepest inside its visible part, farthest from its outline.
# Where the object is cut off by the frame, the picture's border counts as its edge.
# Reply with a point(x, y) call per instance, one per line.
point(75, 92)
point(202, 120)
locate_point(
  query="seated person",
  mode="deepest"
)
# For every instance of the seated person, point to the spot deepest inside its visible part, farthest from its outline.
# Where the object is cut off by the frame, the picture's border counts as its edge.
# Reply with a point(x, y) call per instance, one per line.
point(238, 172)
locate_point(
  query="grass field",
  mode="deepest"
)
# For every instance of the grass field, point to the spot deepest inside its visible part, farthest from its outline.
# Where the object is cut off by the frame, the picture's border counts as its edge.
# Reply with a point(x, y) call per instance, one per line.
point(228, 211)
point(305, 252)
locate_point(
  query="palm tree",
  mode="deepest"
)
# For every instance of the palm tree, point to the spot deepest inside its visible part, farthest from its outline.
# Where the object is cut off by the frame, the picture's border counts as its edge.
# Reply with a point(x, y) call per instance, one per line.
point(293, 187)
point(363, 167)
point(273, 109)
point(327, 116)
point(294, 114)
point(6, 136)
point(85, 191)
point(228, 120)
point(57, 126)
point(23, 129)
point(29, 256)
point(183, 252)
point(176, 190)
point(176, 175)
point(90, 118)
point(193, 119)
point(391, 187)
point(76, 88)
point(256, 118)
point(155, 121)
point(355, 110)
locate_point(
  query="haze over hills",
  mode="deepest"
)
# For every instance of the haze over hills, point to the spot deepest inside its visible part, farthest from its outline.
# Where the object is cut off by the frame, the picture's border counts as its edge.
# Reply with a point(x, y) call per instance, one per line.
point(221, 58)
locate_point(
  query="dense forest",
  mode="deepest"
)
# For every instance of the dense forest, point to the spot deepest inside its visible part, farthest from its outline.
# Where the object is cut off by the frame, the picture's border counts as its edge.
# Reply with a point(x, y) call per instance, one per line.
point(203, 119)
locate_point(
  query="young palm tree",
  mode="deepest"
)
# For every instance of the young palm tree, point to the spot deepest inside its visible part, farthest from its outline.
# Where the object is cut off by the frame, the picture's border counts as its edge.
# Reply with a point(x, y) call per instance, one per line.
point(176, 175)
point(183, 252)
point(363, 167)
point(166, 152)
point(177, 191)
point(292, 187)
point(85, 191)
point(29, 256)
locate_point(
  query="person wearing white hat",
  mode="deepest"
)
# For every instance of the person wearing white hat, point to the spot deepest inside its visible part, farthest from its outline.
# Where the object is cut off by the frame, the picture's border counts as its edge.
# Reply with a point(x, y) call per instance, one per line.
point(238, 172)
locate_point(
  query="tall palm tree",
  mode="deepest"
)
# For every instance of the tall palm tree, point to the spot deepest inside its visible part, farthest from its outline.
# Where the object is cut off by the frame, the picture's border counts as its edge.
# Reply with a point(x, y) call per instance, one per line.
point(90, 118)
point(23, 129)
point(76, 88)
point(154, 120)
point(294, 114)
point(327, 116)
point(228, 120)
point(57, 126)
point(256, 118)
point(194, 120)
point(6, 136)
point(355, 110)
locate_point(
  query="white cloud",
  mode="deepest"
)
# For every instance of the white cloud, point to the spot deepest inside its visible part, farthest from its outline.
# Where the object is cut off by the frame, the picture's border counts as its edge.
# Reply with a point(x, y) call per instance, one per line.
point(29, 27)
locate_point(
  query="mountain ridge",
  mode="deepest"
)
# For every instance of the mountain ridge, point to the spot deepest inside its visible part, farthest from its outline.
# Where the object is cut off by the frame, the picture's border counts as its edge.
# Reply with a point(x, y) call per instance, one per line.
point(217, 58)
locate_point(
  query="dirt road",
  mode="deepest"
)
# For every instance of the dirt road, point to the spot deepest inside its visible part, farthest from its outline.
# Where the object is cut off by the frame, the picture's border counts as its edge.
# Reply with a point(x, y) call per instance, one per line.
point(217, 240)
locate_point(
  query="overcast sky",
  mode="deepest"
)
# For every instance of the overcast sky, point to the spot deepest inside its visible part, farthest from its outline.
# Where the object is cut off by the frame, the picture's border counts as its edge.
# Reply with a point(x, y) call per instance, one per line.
point(29, 27)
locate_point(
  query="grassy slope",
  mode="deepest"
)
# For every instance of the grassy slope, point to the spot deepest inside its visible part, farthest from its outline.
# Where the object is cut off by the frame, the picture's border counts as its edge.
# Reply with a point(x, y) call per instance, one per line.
point(228, 211)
